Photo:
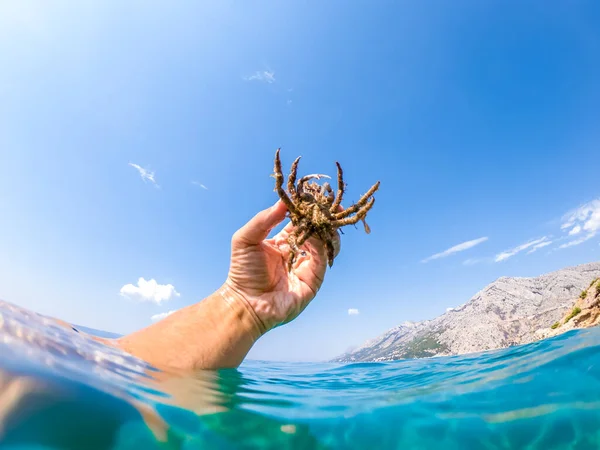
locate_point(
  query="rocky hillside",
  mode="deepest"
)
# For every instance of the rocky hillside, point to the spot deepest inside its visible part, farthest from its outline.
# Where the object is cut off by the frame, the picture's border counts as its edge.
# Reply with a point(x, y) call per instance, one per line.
point(508, 312)
point(585, 313)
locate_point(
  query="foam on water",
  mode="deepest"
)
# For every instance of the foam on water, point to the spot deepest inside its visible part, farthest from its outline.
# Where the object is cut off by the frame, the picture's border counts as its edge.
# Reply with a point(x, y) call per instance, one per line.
point(61, 389)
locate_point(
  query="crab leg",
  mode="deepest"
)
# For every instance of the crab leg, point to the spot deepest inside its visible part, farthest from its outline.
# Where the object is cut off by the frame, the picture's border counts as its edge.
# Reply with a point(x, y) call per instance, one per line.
point(357, 206)
point(291, 185)
point(317, 176)
point(279, 185)
point(304, 237)
point(329, 246)
point(295, 242)
point(303, 181)
point(340, 191)
point(327, 192)
point(330, 252)
point(360, 215)
point(367, 227)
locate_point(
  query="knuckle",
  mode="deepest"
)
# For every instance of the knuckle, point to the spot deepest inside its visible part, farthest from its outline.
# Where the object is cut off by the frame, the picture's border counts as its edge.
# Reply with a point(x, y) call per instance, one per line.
point(237, 238)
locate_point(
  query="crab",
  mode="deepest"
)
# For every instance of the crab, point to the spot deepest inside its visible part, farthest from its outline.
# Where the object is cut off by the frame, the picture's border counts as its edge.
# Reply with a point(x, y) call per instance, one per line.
point(315, 209)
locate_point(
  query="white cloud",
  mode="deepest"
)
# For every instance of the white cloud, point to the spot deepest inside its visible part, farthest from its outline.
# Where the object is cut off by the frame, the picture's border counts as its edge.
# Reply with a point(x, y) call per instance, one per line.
point(161, 316)
point(512, 252)
point(197, 183)
point(538, 246)
point(145, 174)
point(457, 248)
point(265, 76)
point(353, 312)
point(585, 219)
point(149, 291)
point(581, 240)
point(587, 216)
point(450, 309)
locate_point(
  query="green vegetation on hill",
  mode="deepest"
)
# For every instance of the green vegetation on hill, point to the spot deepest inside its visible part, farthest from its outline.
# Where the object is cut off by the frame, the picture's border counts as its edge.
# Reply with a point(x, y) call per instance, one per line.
point(424, 346)
point(574, 312)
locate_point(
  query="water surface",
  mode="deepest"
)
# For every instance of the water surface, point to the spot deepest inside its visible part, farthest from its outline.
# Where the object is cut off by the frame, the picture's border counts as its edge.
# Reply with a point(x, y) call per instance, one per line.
point(61, 389)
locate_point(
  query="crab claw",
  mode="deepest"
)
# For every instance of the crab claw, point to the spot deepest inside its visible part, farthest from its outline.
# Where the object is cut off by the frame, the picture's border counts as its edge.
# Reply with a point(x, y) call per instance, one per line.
point(317, 176)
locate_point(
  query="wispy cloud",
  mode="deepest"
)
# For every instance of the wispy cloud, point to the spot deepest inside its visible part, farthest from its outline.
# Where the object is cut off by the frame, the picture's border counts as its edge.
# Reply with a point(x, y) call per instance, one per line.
point(266, 76)
point(149, 291)
point(587, 216)
point(197, 183)
point(578, 226)
point(161, 316)
point(145, 174)
point(353, 312)
point(457, 248)
point(581, 240)
point(534, 244)
point(585, 219)
point(540, 245)
point(473, 261)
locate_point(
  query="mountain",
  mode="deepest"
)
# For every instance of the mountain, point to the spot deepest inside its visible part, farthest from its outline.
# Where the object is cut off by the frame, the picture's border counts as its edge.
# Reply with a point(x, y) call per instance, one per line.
point(585, 313)
point(509, 311)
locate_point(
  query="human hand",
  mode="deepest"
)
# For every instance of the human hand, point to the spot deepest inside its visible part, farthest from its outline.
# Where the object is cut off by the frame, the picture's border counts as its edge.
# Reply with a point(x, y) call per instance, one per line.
point(258, 272)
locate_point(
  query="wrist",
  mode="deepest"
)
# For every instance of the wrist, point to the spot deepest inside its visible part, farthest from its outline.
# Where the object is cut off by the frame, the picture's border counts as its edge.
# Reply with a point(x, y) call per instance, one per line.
point(242, 307)
point(215, 333)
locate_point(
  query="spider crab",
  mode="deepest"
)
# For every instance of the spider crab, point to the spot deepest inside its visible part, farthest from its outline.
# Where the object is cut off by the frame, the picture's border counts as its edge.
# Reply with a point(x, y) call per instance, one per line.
point(314, 209)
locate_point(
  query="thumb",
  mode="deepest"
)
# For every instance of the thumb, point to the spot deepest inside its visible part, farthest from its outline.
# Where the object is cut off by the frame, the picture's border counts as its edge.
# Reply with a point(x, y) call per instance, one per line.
point(259, 227)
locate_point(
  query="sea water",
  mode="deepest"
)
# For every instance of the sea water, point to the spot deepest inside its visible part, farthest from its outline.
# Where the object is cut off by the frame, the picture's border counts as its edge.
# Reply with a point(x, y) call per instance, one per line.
point(61, 389)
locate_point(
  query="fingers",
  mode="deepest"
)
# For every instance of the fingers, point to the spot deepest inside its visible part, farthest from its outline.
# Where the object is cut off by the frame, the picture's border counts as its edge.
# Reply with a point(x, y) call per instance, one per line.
point(310, 267)
point(259, 227)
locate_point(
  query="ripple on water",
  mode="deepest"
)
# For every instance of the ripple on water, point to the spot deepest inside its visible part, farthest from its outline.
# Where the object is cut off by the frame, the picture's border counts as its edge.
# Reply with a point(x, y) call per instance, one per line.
point(66, 390)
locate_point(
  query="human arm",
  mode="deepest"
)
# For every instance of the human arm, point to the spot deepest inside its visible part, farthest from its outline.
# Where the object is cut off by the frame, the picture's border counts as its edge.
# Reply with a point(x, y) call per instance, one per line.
point(258, 295)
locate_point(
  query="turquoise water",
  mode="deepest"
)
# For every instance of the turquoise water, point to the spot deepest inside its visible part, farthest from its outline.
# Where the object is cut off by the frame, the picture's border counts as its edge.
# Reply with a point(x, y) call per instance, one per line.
point(60, 389)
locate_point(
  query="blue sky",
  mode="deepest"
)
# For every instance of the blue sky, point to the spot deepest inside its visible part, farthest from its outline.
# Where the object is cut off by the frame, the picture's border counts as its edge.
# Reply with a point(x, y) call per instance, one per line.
point(479, 118)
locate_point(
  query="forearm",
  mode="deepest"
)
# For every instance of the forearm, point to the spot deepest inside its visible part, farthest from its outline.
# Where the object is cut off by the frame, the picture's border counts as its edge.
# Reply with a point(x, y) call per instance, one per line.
point(217, 332)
